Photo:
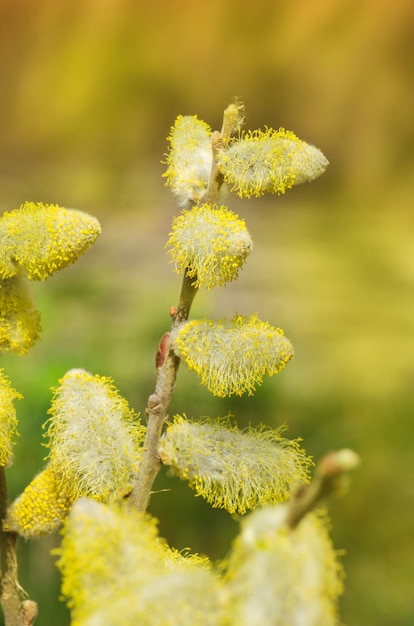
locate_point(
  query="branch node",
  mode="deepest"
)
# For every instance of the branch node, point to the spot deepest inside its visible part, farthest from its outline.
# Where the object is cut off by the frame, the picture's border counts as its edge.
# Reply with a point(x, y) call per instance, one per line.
point(29, 612)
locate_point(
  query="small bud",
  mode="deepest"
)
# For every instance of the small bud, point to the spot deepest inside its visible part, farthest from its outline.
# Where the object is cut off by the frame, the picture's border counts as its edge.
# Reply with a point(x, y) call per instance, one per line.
point(338, 462)
point(233, 469)
point(233, 120)
point(232, 356)
point(39, 239)
point(94, 439)
point(19, 320)
point(189, 159)
point(211, 243)
point(8, 419)
point(29, 612)
point(269, 162)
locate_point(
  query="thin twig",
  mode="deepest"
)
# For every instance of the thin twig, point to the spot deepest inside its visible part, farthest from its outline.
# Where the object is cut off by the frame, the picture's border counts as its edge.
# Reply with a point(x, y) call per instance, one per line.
point(157, 407)
point(231, 122)
point(159, 401)
point(10, 591)
point(330, 477)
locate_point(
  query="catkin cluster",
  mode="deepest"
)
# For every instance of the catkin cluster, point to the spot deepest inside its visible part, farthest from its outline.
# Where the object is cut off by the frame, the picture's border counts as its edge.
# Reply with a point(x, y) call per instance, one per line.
point(209, 244)
point(116, 570)
point(35, 241)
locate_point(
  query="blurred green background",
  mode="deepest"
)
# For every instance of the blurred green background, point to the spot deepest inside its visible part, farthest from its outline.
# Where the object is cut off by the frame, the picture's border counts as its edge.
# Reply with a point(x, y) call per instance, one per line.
point(88, 91)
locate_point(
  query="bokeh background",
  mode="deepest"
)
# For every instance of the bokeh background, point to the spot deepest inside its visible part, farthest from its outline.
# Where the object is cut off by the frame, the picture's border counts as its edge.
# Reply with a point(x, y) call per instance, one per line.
point(88, 92)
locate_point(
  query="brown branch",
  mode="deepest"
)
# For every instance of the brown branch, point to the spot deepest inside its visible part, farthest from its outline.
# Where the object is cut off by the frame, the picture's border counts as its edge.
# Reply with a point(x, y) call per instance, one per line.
point(14, 610)
point(167, 361)
point(231, 122)
point(216, 177)
point(158, 403)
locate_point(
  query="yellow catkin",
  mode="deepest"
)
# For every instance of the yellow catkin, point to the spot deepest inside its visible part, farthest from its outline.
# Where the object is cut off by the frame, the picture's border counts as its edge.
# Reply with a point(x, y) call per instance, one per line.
point(231, 468)
point(42, 507)
point(232, 356)
point(283, 577)
point(189, 159)
point(40, 239)
point(269, 161)
point(210, 243)
point(8, 419)
point(19, 319)
point(94, 436)
point(117, 571)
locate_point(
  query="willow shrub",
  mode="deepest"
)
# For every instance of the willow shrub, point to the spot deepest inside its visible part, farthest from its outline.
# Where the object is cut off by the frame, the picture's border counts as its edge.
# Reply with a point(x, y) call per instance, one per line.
point(95, 486)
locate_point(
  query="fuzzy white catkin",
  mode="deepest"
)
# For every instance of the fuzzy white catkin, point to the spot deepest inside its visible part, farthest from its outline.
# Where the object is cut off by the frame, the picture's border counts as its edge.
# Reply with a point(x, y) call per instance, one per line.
point(231, 468)
point(94, 437)
point(283, 577)
point(270, 161)
point(184, 598)
point(210, 243)
point(189, 159)
point(117, 572)
point(232, 356)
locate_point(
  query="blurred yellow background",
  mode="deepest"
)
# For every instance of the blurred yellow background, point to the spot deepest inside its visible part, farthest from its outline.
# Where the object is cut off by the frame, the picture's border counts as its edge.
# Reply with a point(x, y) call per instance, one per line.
point(88, 92)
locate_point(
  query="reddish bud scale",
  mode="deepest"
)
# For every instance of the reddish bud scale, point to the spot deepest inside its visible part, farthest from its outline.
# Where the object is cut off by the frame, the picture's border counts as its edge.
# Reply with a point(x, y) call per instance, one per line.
point(162, 350)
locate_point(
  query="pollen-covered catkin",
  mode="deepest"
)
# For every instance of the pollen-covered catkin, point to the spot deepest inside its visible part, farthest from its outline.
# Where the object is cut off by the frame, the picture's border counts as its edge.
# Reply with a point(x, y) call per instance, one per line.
point(232, 356)
point(189, 159)
point(42, 507)
point(94, 436)
point(234, 469)
point(270, 161)
point(40, 239)
point(210, 243)
point(8, 419)
point(117, 571)
point(19, 319)
point(281, 576)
